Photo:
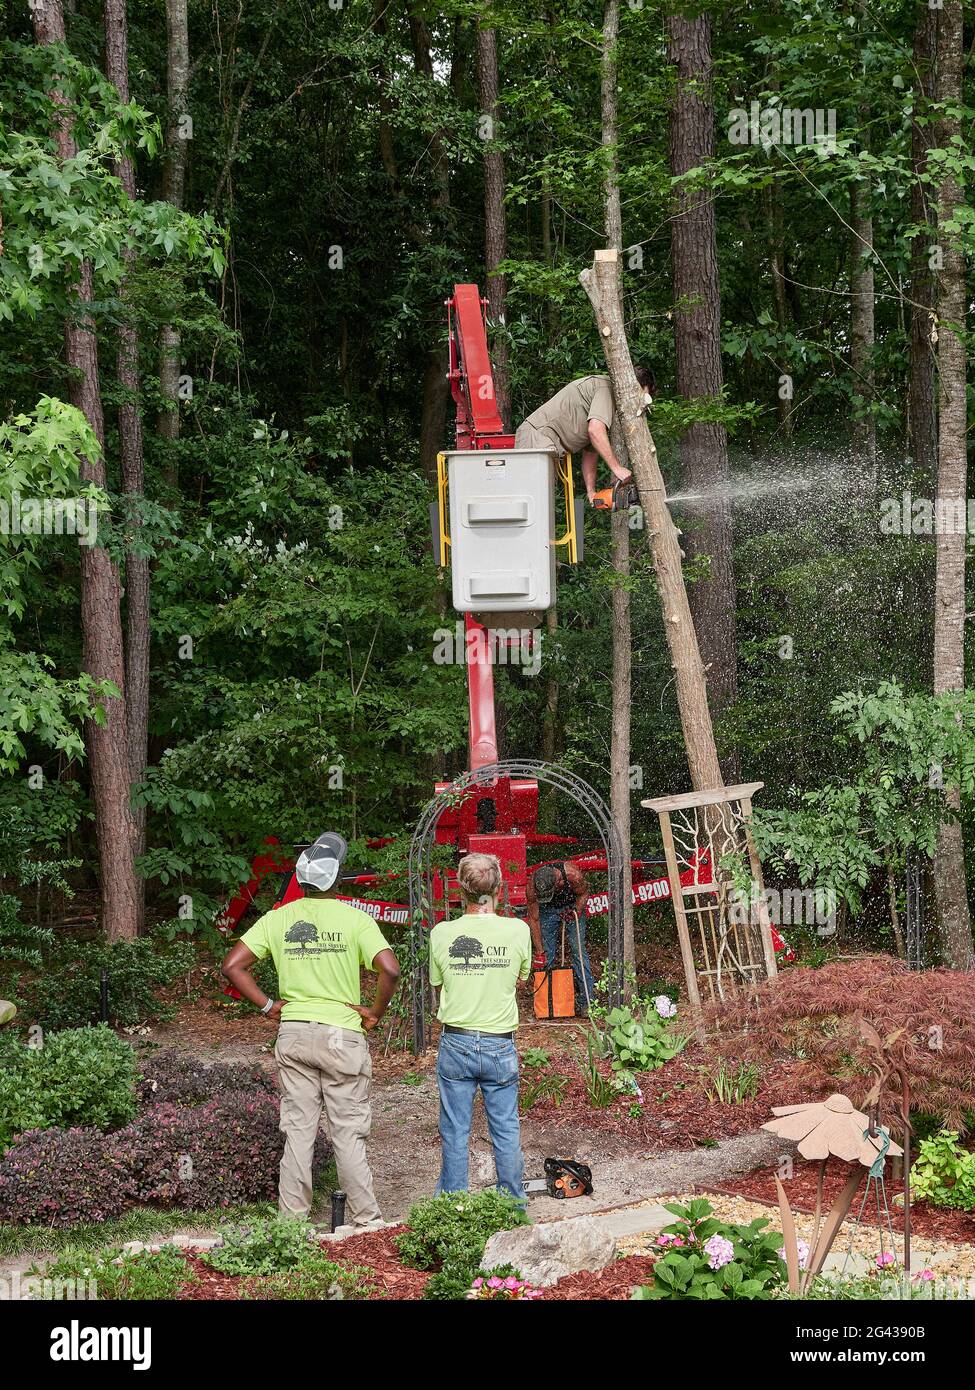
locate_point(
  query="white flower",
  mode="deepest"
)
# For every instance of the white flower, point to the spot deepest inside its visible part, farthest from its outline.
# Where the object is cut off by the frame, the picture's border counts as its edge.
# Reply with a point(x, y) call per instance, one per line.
point(665, 1006)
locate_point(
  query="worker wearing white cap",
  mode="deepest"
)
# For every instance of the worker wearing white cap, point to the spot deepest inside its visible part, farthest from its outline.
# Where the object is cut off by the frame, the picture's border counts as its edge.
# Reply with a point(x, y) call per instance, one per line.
point(318, 946)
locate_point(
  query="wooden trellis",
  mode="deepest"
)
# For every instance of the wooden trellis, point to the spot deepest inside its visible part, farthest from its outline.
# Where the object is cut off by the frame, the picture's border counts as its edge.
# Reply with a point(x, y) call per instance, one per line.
point(725, 945)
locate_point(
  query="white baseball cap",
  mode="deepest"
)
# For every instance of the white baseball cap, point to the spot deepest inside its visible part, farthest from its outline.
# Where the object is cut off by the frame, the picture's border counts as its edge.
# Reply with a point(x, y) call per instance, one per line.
point(318, 865)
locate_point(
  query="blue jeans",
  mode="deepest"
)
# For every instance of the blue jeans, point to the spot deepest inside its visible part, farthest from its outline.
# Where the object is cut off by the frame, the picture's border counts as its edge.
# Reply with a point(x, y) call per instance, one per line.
point(550, 921)
point(466, 1061)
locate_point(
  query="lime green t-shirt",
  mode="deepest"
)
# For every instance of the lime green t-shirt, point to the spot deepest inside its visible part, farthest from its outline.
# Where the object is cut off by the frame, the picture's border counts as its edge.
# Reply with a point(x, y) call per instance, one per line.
point(318, 946)
point(478, 961)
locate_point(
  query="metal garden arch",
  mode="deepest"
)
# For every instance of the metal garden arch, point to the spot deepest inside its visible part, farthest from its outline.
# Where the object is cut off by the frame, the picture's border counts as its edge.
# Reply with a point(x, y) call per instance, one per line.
point(421, 872)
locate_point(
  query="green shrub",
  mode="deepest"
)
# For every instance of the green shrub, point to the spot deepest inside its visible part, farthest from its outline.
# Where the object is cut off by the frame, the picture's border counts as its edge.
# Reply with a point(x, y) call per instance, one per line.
point(448, 1234)
point(314, 1280)
point(539, 1087)
point(81, 1077)
point(269, 1246)
point(535, 1057)
point(638, 1038)
point(121, 1274)
point(944, 1172)
point(708, 1259)
point(67, 994)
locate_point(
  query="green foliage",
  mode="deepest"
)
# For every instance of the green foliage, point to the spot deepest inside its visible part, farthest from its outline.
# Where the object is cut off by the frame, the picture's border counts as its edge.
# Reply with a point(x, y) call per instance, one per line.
point(944, 1172)
point(599, 1088)
point(272, 1245)
point(638, 1039)
point(82, 1076)
point(313, 1280)
point(448, 1234)
point(67, 993)
point(117, 1274)
point(540, 1087)
point(733, 1085)
point(754, 1271)
point(535, 1057)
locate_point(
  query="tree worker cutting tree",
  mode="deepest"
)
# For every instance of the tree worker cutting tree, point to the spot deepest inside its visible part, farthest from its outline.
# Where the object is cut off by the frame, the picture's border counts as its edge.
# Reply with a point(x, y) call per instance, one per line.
point(555, 897)
point(318, 946)
point(578, 419)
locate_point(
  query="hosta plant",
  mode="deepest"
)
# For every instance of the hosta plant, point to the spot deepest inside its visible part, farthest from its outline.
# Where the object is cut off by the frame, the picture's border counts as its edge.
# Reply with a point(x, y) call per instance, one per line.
point(704, 1258)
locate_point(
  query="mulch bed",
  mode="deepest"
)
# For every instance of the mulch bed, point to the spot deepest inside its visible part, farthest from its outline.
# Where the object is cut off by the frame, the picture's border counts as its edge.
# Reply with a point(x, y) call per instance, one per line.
point(677, 1112)
point(373, 1250)
point(927, 1222)
point(614, 1283)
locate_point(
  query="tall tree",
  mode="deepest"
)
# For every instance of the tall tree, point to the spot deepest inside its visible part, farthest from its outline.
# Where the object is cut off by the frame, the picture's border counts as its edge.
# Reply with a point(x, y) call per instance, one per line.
point(697, 335)
point(949, 595)
point(862, 306)
point(133, 474)
point(622, 635)
point(174, 191)
point(101, 620)
point(495, 222)
point(922, 411)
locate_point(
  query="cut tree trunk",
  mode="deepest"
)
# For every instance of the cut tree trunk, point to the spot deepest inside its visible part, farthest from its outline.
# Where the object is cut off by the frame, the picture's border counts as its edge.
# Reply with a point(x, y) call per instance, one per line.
point(601, 284)
point(133, 476)
point(101, 621)
point(495, 223)
point(949, 601)
point(697, 337)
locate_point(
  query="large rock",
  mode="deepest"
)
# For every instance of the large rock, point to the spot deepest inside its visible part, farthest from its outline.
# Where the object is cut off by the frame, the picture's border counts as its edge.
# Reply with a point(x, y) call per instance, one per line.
point(547, 1252)
point(8, 1011)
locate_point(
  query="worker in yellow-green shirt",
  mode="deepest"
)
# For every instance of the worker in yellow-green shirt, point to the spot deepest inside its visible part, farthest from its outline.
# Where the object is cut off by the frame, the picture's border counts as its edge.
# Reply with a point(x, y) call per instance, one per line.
point(318, 946)
point(478, 961)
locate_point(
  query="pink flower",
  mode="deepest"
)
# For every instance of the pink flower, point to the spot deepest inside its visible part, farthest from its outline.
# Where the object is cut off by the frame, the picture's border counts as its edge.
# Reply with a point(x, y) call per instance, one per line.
point(887, 1258)
point(477, 1283)
point(720, 1251)
point(512, 1283)
point(495, 1283)
point(925, 1274)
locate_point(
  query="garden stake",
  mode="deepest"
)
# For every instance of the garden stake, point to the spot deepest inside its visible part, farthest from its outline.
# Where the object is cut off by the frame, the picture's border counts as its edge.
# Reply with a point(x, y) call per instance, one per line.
point(103, 1011)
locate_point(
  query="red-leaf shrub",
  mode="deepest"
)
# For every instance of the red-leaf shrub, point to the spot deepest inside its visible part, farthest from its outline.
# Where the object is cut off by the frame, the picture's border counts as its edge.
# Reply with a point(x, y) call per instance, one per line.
point(212, 1155)
point(62, 1177)
point(812, 1015)
point(174, 1077)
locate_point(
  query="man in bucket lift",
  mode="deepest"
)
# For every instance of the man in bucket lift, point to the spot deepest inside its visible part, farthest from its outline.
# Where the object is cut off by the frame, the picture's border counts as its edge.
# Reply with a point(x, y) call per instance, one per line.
point(555, 899)
point(578, 419)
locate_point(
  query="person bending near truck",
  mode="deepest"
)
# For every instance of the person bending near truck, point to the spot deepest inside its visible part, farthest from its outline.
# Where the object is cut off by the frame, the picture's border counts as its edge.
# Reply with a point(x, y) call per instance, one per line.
point(578, 419)
point(318, 946)
point(478, 961)
point(555, 898)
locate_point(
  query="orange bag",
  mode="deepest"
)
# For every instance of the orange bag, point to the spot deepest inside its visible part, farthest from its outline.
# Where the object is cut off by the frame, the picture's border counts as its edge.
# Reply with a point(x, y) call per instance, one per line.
point(554, 990)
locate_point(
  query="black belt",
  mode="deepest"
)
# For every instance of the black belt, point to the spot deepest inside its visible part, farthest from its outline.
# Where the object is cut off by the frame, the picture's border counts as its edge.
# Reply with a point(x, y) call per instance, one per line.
point(475, 1032)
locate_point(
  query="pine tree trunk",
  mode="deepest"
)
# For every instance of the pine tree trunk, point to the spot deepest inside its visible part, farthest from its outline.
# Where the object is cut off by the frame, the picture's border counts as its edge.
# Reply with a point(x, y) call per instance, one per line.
point(922, 411)
point(622, 636)
point(697, 335)
point(949, 600)
point(174, 191)
point(601, 284)
point(133, 477)
point(101, 622)
point(862, 326)
point(495, 222)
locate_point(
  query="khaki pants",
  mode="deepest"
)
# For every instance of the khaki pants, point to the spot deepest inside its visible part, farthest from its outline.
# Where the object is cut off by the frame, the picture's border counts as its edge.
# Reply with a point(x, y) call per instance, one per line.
point(528, 437)
point(324, 1067)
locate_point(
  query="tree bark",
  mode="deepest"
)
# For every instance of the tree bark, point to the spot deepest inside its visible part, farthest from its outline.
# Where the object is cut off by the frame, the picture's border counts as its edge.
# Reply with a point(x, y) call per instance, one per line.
point(922, 411)
point(174, 191)
point(862, 331)
point(495, 221)
point(697, 335)
point(622, 635)
point(137, 601)
point(601, 284)
point(101, 622)
point(949, 597)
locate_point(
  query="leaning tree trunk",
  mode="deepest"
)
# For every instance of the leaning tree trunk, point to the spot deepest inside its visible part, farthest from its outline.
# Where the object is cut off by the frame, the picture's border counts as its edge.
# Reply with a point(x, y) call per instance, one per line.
point(174, 191)
point(949, 595)
point(697, 336)
point(133, 477)
point(601, 284)
point(862, 326)
point(622, 635)
point(101, 621)
point(495, 224)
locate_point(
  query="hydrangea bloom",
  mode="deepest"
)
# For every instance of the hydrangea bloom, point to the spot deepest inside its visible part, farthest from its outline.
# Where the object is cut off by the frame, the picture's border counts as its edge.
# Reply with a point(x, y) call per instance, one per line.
point(803, 1248)
point(720, 1251)
point(665, 1006)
